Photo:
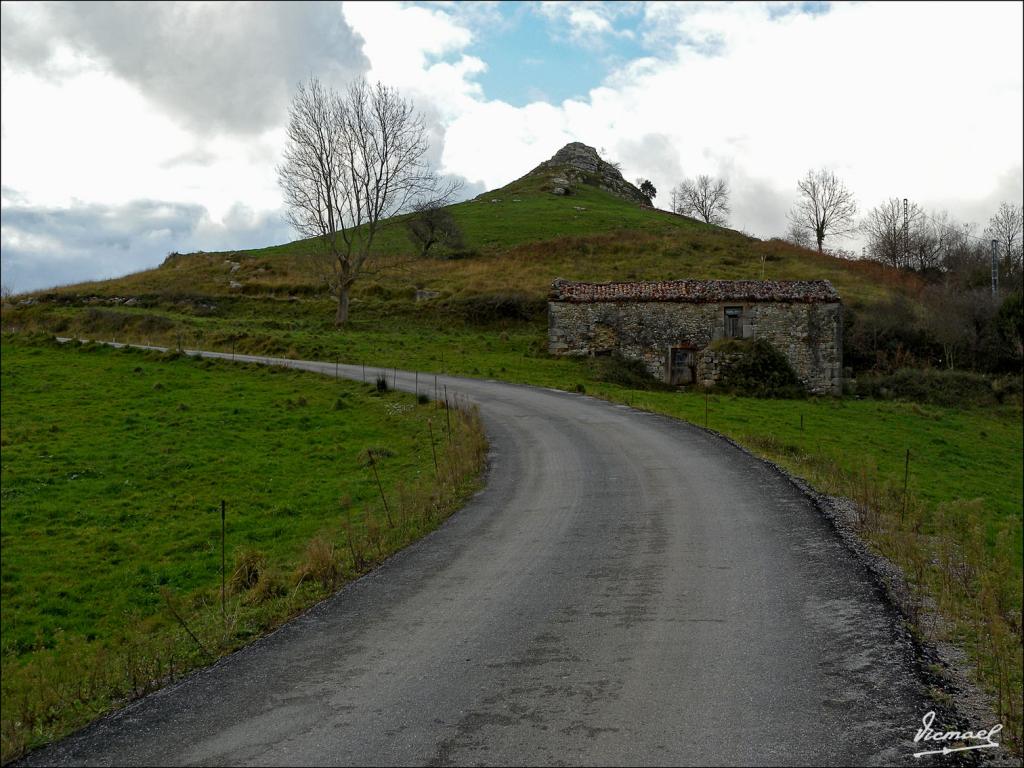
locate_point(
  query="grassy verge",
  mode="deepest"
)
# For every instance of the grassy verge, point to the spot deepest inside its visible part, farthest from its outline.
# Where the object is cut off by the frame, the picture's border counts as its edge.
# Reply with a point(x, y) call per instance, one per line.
point(114, 464)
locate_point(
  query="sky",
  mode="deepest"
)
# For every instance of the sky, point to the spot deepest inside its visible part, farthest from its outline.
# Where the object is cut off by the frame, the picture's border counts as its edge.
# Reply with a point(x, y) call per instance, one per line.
point(129, 131)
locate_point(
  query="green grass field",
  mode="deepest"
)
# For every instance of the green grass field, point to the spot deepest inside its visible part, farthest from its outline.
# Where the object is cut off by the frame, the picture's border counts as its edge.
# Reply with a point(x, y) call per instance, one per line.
point(114, 464)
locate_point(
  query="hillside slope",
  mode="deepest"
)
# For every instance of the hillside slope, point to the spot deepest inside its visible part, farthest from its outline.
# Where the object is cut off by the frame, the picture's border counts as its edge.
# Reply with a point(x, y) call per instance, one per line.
point(519, 238)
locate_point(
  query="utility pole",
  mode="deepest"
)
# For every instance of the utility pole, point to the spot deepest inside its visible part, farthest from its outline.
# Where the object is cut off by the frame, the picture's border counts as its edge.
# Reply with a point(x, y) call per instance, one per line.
point(906, 235)
point(995, 268)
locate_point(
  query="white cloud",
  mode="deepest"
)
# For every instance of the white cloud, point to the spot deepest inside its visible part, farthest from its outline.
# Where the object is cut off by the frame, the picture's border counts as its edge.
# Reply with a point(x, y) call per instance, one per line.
point(44, 245)
point(215, 66)
point(588, 23)
point(417, 50)
point(897, 99)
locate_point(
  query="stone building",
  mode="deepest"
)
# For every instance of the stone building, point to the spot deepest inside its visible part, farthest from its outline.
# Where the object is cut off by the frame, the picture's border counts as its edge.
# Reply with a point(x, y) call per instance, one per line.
point(672, 325)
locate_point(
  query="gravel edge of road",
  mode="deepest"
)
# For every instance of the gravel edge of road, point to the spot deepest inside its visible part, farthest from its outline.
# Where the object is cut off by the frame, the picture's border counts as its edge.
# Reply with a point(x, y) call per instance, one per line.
point(941, 665)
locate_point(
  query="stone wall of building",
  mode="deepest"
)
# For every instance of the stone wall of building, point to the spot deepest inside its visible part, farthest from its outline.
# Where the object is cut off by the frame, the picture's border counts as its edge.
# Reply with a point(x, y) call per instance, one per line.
point(809, 334)
point(712, 363)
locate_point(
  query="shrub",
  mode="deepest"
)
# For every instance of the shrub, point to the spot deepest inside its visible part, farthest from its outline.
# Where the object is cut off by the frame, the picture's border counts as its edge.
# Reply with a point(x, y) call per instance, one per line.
point(941, 387)
point(887, 335)
point(757, 369)
point(382, 383)
point(625, 372)
point(269, 585)
point(459, 253)
point(492, 307)
point(106, 321)
point(249, 565)
point(320, 563)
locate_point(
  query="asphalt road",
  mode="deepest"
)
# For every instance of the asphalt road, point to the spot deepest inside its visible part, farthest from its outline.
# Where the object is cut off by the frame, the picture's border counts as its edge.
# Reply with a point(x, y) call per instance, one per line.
point(626, 590)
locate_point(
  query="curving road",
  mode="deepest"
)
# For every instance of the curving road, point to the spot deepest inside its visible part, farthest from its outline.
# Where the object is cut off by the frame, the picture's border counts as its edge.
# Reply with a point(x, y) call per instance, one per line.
point(627, 590)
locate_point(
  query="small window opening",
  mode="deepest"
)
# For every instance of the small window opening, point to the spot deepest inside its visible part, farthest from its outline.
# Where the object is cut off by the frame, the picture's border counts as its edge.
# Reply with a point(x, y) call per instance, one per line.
point(732, 322)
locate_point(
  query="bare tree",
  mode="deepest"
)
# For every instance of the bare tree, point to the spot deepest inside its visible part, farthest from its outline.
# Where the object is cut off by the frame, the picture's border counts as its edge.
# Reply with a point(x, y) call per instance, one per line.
point(675, 203)
point(352, 161)
point(432, 224)
point(892, 240)
point(704, 198)
point(964, 259)
point(798, 236)
point(1005, 227)
point(826, 208)
point(927, 247)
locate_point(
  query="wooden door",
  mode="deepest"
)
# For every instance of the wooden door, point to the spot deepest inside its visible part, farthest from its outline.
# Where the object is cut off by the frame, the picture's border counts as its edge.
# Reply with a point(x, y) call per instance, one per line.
point(681, 367)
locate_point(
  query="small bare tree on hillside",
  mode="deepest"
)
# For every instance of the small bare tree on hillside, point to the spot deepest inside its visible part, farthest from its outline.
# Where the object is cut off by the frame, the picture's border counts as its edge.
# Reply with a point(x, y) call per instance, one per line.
point(704, 198)
point(826, 208)
point(888, 241)
point(798, 236)
point(352, 161)
point(430, 224)
point(929, 243)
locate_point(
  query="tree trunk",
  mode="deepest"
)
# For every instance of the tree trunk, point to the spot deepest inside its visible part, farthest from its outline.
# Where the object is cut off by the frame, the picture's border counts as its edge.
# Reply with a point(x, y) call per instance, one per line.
point(341, 318)
point(820, 237)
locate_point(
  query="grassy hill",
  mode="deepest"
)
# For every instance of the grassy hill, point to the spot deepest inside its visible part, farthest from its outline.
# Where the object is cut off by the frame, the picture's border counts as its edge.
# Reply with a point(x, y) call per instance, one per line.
point(518, 238)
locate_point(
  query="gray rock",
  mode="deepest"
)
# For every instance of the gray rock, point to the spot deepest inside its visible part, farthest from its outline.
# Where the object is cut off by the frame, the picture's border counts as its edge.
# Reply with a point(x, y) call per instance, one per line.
point(576, 162)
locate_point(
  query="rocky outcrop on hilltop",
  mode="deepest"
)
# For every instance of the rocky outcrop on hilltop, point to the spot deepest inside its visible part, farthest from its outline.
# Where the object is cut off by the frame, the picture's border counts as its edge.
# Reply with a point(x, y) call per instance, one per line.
point(576, 163)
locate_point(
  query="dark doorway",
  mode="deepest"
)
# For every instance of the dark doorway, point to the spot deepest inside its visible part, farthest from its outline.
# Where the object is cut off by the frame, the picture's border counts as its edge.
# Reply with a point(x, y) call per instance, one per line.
point(681, 366)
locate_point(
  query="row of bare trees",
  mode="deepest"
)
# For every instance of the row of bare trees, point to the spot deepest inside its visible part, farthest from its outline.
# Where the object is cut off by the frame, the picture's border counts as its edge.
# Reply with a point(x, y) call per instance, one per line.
point(825, 208)
point(903, 235)
point(964, 323)
point(934, 242)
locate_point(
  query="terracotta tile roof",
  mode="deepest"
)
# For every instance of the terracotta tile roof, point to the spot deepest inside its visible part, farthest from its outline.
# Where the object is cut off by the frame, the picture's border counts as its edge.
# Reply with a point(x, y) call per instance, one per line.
point(696, 291)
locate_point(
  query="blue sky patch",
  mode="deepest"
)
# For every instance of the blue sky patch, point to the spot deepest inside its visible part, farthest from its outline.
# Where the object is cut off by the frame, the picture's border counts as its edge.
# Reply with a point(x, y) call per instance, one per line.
point(533, 58)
